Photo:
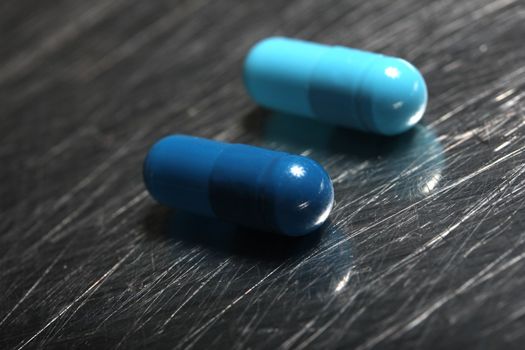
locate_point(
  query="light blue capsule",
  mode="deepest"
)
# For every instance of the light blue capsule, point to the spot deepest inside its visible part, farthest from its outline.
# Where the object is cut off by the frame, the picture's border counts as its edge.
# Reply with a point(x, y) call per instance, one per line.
point(342, 86)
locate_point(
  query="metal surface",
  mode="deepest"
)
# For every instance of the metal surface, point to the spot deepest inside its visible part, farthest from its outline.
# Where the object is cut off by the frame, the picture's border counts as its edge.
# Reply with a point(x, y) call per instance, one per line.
point(425, 247)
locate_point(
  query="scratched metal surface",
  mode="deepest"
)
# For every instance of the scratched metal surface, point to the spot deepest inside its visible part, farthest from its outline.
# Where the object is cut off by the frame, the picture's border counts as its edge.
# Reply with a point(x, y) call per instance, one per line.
point(425, 246)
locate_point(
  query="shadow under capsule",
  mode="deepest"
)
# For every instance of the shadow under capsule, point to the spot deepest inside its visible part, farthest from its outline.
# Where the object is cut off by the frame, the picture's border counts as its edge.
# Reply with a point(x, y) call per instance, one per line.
point(412, 161)
point(323, 260)
point(224, 237)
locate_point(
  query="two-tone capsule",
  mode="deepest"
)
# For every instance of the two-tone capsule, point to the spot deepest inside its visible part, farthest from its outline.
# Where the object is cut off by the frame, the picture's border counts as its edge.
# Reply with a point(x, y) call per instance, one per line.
point(255, 187)
point(335, 84)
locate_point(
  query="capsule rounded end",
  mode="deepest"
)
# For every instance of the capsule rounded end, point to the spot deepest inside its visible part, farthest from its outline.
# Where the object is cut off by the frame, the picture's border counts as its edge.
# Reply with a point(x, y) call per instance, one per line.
point(304, 196)
point(253, 65)
point(399, 96)
point(276, 73)
point(152, 162)
point(177, 169)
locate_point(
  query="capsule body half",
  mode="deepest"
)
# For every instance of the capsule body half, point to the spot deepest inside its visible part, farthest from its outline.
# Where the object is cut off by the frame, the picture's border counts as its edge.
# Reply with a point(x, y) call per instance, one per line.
point(339, 85)
point(254, 187)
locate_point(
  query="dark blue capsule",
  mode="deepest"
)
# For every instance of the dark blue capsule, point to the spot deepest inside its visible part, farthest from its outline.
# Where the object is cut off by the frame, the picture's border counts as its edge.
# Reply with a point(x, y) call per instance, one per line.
point(251, 186)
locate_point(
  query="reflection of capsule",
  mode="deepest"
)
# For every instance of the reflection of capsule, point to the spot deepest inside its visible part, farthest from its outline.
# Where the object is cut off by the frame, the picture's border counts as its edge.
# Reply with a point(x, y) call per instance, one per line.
point(411, 164)
point(339, 85)
point(251, 186)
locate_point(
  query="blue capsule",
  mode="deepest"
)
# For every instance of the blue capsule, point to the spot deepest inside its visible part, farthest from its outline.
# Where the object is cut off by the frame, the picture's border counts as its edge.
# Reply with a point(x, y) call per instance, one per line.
point(348, 87)
point(251, 186)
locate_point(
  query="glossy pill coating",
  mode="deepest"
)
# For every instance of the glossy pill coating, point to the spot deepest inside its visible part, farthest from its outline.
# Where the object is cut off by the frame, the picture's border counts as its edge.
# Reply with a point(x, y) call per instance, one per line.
point(251, 186)
point(339, 85)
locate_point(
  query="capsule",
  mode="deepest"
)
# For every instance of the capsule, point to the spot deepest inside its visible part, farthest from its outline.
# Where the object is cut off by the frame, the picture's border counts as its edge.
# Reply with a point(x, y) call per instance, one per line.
point(338, 85)
point(250, 186)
